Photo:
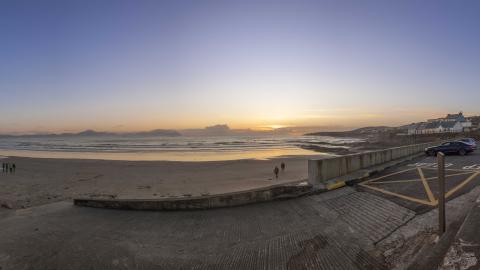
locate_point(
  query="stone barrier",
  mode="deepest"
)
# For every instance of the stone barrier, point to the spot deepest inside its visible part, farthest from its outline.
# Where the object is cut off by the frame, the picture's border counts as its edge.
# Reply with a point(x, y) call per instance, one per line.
point(276, 192)
point(322, 170)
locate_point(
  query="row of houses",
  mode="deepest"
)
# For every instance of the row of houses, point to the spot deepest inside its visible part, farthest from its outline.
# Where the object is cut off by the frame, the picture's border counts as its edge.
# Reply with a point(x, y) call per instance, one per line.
point(452, 123)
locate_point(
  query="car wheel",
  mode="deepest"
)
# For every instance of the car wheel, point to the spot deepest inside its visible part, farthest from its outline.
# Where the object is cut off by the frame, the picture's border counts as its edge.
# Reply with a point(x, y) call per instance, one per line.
point(431, 153)
point(462, 152)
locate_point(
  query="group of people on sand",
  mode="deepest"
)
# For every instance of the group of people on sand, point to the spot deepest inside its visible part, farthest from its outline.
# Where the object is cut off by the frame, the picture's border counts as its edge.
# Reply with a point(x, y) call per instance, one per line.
point(8, 168)
point(276, 171)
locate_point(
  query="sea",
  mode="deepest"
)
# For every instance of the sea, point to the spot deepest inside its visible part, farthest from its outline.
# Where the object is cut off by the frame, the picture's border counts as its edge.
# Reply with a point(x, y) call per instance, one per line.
point(172, 148)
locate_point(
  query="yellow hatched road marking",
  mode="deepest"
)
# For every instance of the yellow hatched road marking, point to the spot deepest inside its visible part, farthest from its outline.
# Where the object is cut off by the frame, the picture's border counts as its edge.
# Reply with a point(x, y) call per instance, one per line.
point(453, 190)
point(432, 201)
point(408, 198)
point(417, 180)
point(385, 176)
point(464, 170)
point(426, 186)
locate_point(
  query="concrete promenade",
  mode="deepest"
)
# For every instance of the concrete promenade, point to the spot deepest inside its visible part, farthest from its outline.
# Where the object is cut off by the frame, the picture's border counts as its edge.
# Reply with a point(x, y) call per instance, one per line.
point(335, 230)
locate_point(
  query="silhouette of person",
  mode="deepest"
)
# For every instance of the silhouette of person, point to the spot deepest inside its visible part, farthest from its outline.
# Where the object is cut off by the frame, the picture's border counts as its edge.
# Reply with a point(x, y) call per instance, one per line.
point(14, 167)
point(11, 169)
point(275, 171)
point(282, 166)
point(3, 167)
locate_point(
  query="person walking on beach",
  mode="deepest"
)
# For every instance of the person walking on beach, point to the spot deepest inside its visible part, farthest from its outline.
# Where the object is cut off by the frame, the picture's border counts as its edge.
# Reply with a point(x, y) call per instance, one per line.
point(282, 166)
point(275, 171)
point(14, 167)
point(11, 169)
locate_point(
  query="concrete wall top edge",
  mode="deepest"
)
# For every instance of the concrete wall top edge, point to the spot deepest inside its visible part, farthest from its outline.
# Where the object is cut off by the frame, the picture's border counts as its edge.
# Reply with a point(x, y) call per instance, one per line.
point(337, 166)
point(375, 151)
point(206, 197)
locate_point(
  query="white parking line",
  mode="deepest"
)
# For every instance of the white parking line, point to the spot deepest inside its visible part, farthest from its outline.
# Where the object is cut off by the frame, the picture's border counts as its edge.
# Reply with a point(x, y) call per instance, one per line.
point(429, 164)
point(472, 167)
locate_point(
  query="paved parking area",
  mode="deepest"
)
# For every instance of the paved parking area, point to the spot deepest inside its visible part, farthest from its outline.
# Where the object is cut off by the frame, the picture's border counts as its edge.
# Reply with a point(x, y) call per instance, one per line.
point(415, 184)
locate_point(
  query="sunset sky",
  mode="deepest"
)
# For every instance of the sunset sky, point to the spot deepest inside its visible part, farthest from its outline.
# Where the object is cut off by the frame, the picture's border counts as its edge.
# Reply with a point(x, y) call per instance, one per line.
point(139, 65)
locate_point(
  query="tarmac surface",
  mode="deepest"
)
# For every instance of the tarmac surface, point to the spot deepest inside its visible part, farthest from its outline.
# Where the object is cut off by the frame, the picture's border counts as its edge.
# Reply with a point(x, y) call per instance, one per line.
point(414, 184)
point(335, 230)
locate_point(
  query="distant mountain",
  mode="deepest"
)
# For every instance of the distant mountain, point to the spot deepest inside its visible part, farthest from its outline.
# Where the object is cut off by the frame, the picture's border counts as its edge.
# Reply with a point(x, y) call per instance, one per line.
point(225, 130)
point(93, 133)
point(89, 133)
point(218, 129)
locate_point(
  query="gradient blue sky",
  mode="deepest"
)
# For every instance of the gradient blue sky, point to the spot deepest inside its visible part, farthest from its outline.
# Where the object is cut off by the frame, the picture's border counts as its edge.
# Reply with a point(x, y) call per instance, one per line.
point(136, 65)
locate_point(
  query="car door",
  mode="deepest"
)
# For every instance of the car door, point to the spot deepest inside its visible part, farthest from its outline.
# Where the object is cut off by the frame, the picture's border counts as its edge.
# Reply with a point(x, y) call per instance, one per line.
point(448, 148)
point(456, 147)
point(445, 148)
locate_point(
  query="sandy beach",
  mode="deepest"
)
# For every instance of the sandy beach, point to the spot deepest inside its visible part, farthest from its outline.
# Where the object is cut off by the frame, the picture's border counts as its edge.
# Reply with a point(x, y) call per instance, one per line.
point(40, 181)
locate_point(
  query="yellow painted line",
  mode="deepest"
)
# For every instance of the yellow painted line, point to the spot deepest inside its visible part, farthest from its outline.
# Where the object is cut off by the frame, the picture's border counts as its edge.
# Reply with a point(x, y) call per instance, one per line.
point(408, 198)
point(453, 190)
point(447, 175)
point(397, 181)
point(426, 186)
point(417, 180)
point(457, 170)
point(336, 185)
point(385, 176)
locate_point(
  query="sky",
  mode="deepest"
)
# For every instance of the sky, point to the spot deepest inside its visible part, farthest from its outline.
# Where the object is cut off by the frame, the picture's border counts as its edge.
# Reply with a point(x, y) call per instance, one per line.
point(140, 65)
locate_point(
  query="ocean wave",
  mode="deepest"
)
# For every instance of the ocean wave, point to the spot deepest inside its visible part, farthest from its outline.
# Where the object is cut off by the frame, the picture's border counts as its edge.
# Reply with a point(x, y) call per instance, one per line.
point(178, 144)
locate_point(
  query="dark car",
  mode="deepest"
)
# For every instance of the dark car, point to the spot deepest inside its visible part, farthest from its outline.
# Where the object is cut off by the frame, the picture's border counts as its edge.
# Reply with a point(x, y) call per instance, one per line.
point(460, 148)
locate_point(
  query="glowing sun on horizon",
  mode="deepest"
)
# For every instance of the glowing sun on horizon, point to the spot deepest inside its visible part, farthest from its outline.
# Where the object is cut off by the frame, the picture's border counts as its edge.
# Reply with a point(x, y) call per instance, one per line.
point(271, 127)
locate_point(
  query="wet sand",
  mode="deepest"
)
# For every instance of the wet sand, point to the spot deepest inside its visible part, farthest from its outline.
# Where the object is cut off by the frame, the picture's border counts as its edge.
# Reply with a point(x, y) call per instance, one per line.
point(40, 181)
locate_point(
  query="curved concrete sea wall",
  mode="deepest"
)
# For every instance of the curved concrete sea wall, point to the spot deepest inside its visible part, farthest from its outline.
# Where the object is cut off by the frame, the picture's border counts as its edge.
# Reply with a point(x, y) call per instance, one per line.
point(276, 192)
point(322, 170)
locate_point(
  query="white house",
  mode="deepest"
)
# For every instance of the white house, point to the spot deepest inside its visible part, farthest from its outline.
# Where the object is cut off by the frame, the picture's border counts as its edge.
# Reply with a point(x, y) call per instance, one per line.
point(451, 123)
